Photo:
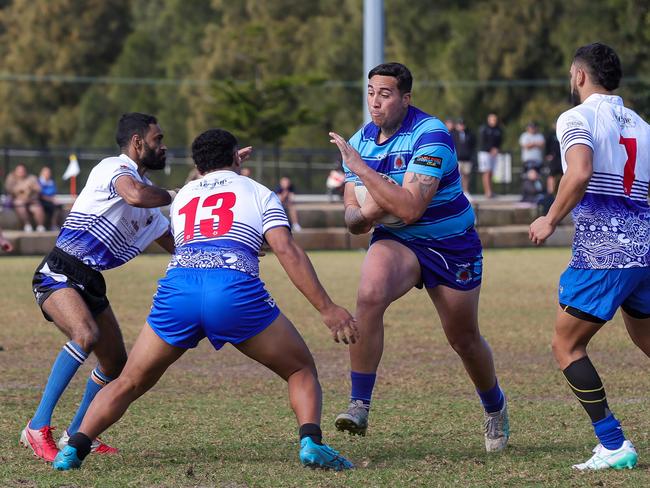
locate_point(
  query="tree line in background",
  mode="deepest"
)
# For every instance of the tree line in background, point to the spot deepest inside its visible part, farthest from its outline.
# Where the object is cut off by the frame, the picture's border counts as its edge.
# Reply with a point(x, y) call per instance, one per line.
point(285, 72)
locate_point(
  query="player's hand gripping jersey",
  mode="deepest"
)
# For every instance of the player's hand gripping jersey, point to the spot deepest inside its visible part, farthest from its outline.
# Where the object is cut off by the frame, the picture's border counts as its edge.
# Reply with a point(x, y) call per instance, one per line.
point(104, 231)
point(612, 220)
point(219, 221)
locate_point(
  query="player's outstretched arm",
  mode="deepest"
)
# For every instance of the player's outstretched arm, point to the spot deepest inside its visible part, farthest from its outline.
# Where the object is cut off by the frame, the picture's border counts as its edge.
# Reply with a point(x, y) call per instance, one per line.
point(138, 194)
point(572, 188)
point(302, 274)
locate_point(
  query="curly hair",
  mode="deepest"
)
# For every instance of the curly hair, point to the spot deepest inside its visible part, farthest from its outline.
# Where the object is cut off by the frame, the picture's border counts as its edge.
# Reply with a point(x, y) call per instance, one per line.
point(602, 63)
point(213, 149)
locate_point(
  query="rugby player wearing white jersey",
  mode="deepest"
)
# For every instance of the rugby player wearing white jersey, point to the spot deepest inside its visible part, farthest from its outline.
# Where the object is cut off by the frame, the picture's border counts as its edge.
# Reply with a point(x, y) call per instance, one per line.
point(605, 150)
point(113, 220)
point(212, 289)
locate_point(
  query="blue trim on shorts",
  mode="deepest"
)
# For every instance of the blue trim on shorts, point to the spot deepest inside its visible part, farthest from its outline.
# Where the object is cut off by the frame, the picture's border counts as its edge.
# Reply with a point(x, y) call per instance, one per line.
point(600, 292)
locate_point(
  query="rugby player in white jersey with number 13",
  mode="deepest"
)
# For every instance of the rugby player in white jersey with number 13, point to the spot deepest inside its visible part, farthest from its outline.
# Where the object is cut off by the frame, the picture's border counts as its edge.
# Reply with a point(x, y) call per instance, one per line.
point(212, 289)
point(605, 150)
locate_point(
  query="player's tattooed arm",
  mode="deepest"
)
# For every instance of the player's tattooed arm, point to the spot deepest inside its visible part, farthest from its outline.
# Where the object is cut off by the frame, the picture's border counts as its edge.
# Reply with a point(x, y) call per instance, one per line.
point(426, 186)
point(355, 221)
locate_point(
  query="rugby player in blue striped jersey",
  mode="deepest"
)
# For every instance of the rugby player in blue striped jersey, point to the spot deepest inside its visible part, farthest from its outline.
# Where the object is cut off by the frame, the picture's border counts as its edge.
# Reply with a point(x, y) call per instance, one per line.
point(437, 247)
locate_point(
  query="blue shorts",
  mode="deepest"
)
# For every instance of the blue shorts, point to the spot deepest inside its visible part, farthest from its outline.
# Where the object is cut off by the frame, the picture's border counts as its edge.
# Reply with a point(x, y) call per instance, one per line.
point(221, 304)
point(599, 292)
point(458, 269)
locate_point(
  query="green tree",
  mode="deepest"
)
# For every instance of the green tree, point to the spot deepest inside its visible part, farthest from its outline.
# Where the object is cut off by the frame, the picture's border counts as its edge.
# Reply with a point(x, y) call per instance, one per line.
point(53, 37)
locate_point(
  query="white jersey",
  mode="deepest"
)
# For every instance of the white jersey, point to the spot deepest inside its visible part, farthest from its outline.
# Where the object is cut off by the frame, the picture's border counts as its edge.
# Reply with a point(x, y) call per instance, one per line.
point(219, 221)
point(612, 220)
point(104, 231)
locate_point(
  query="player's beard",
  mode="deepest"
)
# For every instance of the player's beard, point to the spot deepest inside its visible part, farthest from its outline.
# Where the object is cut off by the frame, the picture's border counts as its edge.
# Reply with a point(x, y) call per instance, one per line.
point(151, 160)
point(575, 97)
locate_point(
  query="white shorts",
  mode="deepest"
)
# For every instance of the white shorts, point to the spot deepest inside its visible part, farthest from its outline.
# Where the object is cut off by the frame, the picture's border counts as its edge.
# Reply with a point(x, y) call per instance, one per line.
point(465, 167)
point(486, 162)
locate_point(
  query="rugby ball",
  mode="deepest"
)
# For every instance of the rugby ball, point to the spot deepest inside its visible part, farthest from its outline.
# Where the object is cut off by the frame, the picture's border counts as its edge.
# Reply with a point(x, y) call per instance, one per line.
point(389, 220)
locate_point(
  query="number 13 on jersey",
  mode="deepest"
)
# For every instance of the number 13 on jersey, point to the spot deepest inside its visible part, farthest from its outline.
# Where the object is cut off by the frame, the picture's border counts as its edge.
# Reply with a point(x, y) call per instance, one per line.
point(221, 205)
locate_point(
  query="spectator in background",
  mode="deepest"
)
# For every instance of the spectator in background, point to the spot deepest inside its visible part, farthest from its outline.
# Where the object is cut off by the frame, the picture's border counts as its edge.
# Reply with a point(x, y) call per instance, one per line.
point(491, 138)
point(553, 161)
point(532, 189)
point(5, 245)
point(450, 124)
point(24, 190)
point(464, 142)
point(47, 198)
point(286, 193)
point(532, 148)
point(335, 182)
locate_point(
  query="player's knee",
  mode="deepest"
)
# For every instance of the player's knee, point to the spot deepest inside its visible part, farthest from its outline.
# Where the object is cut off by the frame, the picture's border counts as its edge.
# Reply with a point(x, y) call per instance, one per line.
point(87, 336)
point(466, 345)
point(369, 298)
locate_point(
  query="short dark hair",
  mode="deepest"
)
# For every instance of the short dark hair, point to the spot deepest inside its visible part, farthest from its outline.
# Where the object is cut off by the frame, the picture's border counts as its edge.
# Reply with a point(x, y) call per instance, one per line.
point(603, 64)
point(131, 124)
point(213, 149)
point(396, 70)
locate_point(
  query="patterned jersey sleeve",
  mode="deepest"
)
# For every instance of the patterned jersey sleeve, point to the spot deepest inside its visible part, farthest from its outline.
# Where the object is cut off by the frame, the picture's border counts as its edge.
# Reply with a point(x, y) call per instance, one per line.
point(354, 141)
point(433, 152)
point(573, 128)
point(273, 214)
point(120, 169)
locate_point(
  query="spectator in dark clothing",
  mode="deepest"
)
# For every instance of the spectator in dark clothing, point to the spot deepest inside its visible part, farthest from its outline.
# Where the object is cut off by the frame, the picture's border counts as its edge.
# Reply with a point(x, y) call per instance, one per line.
point(465, 144)
point(286, 193)
point(532, 189)
point(491, 137)
point(553, 161)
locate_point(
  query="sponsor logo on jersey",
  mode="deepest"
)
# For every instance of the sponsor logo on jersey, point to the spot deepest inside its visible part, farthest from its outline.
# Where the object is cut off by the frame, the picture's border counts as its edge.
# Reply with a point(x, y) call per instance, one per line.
point(625, 120)
point(149, 220)
point(399, 163)
point(429, 161)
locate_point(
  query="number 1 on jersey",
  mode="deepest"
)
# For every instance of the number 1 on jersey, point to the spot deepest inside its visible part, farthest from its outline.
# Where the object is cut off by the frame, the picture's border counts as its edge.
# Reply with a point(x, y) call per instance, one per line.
point(221, 204)
point(630, 165)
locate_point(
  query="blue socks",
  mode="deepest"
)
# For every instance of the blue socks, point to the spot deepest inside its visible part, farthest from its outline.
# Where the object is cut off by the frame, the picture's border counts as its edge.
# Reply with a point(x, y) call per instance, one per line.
point(362, 386)
point(95, 383)
point(492, 399)
point(609, 432)
point(64, 368)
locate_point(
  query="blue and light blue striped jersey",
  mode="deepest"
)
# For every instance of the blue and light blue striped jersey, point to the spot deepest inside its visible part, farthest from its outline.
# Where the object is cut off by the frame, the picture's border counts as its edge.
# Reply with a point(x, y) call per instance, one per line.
point(612, 221)
point(104, 231)
point(422, 145)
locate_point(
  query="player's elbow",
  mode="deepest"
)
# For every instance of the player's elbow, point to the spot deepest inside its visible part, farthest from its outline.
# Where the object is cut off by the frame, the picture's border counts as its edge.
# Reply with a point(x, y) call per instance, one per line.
point(411, 214)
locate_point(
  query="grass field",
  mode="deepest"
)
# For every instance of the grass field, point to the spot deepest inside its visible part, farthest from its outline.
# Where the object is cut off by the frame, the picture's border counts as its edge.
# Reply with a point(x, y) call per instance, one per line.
point(218, 419)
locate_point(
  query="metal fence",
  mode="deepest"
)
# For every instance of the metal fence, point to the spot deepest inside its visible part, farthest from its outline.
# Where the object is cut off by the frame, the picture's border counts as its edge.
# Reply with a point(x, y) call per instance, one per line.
point(307, 168)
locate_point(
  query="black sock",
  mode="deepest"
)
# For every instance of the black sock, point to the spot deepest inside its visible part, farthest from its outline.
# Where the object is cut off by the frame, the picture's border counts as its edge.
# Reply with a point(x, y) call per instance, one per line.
point(313, 431)
point(82, 443)
point(586, 385)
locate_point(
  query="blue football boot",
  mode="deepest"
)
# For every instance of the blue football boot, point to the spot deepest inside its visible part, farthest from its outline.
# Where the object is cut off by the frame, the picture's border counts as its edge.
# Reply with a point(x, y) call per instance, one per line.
point(67, 459)
point(321, 456)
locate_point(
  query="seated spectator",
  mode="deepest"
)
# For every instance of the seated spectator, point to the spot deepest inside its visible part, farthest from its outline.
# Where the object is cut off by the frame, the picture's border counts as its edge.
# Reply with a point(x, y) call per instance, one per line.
point(24, 190)
point(335, 182)
point(47, 198)
point(532, 189)
point(286, 193)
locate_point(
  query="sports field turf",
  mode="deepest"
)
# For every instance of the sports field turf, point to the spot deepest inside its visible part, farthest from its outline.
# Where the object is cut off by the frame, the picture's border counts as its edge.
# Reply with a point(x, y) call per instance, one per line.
point(218, 419)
